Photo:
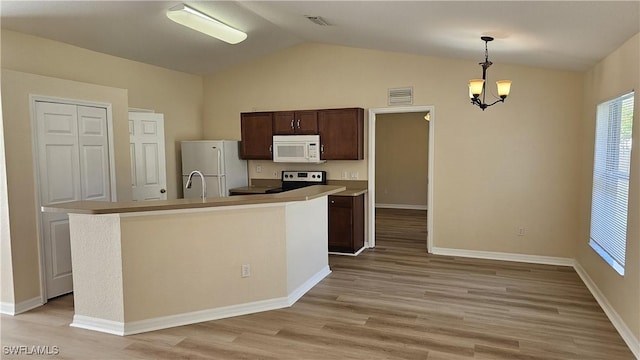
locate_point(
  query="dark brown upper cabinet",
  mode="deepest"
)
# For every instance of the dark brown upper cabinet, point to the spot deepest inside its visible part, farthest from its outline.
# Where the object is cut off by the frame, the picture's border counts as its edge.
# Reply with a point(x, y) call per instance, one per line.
point(257, 135)
point(341, 134)
point(295, 122)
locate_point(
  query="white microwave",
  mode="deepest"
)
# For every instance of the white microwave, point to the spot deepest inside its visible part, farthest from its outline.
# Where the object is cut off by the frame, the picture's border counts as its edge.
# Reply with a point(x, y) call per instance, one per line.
point(297, 149)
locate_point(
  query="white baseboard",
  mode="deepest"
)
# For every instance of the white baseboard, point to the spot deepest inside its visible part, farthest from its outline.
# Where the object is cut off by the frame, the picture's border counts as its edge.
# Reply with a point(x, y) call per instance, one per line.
point(402, 206)
point(95, 324)
point(490, 255)
point(7, 308)
point(624, 331)
point(296, 294)
point(23, 306)
point(349, 254)
point(163, 322)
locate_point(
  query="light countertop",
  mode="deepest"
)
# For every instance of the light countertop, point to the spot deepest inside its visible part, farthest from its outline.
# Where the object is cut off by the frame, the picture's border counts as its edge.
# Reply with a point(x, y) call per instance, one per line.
point(251, 190)
point(261, 186)
point(100, 207)
point(351, 192)
point(247, 190)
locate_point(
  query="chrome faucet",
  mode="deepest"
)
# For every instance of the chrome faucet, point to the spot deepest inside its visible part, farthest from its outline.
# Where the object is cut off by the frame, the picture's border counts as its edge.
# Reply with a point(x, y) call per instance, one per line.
point(204, 184)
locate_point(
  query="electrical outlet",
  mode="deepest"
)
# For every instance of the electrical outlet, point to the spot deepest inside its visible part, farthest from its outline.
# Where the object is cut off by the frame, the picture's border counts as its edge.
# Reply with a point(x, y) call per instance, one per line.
point(521, 231)
point(345, 175)
point(246, 270)
point(275, 174)
point(259, 168)
point(354, 175)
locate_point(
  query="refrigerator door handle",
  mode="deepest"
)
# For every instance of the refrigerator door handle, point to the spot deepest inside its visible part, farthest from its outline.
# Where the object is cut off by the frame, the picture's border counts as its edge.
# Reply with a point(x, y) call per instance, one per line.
point(219, 175)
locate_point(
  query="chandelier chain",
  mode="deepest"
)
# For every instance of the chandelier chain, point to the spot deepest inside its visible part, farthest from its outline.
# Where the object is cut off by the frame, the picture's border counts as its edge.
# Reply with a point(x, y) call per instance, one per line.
point(486, 51)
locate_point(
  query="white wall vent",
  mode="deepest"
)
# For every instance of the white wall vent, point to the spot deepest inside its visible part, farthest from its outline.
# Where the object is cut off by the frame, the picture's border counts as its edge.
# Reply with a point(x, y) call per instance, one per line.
point(318, 20)
point(401, 96)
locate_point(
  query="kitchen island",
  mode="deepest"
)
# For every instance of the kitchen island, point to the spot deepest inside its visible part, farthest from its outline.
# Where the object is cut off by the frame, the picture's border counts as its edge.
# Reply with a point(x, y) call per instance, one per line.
point(143, 266)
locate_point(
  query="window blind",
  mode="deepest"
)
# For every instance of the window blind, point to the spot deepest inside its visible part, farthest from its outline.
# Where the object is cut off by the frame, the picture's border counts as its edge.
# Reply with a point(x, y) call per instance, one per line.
point(610, 199)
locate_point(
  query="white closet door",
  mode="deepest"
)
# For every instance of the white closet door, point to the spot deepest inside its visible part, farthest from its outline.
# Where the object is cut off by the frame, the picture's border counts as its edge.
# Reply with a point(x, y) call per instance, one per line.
point(148, 167)
point(73, 164)
point(94, 153)
point(58, 152)
point(57, 129)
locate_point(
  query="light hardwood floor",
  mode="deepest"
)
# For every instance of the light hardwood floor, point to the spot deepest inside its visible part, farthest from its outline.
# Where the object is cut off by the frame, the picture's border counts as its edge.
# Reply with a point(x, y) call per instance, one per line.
point(393, 302)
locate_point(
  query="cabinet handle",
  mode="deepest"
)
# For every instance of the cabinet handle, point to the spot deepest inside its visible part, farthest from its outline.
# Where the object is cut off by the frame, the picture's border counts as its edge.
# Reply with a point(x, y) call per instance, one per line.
point(298, 123)
point(333, 201)
point(291, 124)
point(271, 149)
point(321, 148)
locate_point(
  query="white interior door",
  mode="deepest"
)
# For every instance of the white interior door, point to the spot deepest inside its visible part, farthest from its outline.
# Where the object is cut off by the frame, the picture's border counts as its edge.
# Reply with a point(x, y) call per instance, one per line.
point(94, 154)
point(148, 167)
point(73, 164)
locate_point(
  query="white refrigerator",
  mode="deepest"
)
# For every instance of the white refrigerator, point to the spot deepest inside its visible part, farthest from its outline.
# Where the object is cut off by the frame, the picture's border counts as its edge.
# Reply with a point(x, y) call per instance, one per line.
point(219, 161)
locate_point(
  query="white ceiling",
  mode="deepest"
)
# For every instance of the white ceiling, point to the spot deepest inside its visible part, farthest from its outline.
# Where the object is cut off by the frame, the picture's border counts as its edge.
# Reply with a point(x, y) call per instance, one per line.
point(570, 35)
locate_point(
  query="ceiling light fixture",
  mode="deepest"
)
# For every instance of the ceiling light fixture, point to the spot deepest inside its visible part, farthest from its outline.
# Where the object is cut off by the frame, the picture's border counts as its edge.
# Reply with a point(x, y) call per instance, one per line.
point(194, 19)
point(477, 87)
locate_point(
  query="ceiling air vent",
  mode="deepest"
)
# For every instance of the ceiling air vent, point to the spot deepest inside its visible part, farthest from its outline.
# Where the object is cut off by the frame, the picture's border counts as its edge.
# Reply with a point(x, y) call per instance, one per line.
point(401, 96)
point(318, 20)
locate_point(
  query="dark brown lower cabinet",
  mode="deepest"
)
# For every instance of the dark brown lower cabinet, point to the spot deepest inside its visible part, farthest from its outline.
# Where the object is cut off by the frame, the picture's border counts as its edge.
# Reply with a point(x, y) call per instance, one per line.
point(346, 223)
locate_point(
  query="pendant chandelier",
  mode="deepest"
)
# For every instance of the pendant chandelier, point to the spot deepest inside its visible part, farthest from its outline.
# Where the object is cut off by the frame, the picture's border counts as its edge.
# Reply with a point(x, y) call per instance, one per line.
point(477, 87)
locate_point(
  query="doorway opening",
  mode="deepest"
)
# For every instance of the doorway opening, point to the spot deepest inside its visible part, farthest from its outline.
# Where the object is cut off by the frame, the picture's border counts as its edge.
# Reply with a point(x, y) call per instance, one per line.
point(374, 113)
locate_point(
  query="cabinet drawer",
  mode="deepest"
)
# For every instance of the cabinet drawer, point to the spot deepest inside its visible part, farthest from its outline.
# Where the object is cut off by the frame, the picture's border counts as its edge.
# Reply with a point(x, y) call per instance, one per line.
point(341, 201)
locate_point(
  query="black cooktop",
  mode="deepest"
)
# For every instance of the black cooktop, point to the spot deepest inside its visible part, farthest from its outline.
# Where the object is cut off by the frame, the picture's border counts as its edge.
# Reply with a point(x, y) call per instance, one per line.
point(291, 180)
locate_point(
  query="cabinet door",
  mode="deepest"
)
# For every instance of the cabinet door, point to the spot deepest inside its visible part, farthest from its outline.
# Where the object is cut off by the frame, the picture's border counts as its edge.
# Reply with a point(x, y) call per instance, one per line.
point(358, 222)
point(283, 123)
point(306, 122)
point(257, 135)
point(295, 122)
point(340, 224)
point(341, 133)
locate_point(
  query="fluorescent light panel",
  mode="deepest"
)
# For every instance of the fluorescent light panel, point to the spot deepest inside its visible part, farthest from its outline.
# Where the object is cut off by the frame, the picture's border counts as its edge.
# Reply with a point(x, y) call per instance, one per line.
point(194, 19)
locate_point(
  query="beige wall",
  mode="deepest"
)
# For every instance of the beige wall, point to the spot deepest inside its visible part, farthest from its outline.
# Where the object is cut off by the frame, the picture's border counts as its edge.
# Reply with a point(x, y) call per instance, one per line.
point(175, 94)
point(306, 244)
point(616, 75)
point(32, 65)
point(495, 170)
point(6, 267)
point(97, 264)
point(402, 158)
point(163, 282)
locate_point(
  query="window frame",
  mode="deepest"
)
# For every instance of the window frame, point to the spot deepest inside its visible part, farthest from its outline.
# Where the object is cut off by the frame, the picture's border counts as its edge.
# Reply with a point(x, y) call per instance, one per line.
point(608, 177)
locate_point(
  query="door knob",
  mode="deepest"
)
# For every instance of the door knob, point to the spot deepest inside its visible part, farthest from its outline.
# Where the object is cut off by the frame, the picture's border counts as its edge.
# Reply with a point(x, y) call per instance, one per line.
point(162, 191)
